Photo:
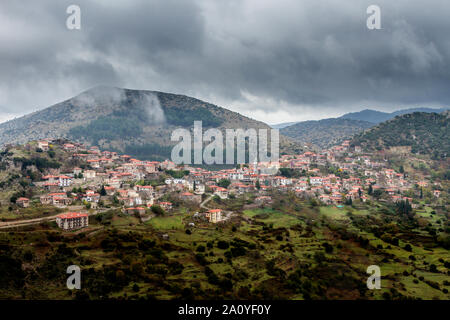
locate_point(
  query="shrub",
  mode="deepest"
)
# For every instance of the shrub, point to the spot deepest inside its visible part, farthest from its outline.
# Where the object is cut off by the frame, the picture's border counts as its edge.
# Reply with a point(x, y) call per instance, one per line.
point(328, 247)
point(201, 259)
point(223, 244)
point(156, 209)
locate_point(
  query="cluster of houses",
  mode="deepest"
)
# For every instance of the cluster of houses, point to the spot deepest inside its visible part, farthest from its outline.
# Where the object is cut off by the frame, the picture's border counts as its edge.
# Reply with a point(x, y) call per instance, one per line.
point(120, 176)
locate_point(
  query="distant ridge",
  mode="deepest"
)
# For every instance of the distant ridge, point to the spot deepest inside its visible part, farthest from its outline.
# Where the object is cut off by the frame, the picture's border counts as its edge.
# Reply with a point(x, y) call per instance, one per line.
point(282, 125)
point(369, 115)
point(425, 133)
point(325, 133)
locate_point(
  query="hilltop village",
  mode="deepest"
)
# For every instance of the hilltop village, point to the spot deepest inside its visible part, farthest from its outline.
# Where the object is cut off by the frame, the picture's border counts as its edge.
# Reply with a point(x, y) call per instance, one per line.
point(305, 227)
point(93, 180)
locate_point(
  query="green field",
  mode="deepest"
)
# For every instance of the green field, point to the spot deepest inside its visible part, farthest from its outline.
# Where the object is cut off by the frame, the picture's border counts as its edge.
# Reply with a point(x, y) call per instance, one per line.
point(272, 217)
point(167, 223)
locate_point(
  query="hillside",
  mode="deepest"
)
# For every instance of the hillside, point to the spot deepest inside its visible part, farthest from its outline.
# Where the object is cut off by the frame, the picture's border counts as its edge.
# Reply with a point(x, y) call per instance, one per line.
point(256, 251)
point(425, 133)
point(22, 165)
point(326, 132)
point(369, 115)
point(375, 116)
point(137, 122)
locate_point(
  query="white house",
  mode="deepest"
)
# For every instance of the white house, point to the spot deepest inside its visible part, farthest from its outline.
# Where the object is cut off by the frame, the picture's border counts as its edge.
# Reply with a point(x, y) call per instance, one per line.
point(315, 181)
point(64, 181)
point(214, 215)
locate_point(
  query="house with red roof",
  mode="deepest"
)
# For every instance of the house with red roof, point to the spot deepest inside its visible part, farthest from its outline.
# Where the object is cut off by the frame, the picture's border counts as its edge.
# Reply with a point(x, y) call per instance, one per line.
point(221, 192)
point(43, 145)
point(165, 205)
point(64, 181)
point(69, 147)
point(187, 196)
point(23, 202)
point(214, 215)
point(72, 220)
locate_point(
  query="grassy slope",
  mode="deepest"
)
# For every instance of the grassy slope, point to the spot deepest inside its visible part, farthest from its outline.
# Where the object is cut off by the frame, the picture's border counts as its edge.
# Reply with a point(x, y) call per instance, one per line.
point(297, 247)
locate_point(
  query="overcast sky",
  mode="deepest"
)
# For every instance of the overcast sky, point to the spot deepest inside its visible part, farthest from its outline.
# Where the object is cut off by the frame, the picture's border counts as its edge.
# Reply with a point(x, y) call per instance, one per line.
point(275, 61)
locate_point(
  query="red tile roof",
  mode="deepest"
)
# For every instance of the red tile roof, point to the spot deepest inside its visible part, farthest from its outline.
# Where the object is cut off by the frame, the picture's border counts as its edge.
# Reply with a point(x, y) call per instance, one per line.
point(71, 215)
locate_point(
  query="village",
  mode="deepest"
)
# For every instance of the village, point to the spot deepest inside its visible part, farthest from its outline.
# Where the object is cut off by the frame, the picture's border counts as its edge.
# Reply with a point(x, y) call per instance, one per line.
point(109, 178)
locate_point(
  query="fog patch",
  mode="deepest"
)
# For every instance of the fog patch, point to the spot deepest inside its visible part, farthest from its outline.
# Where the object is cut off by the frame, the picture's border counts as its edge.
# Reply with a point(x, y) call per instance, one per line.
point(153, 110)
point(108, 96)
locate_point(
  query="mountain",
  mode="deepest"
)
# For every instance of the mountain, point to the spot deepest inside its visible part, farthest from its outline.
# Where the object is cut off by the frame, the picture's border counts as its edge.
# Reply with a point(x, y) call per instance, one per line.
point(379, 116)
point(425, 133)
point(137, 122)
point(369, 115)
point(282, 125)
point(326, 132)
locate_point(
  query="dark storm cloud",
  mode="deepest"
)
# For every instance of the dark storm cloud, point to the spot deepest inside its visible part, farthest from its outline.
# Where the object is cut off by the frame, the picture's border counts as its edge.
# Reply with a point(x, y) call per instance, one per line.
point(273, 60)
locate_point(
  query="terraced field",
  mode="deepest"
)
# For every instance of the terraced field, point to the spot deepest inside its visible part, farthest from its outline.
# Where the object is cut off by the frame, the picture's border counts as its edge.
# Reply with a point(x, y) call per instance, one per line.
point(295, 251)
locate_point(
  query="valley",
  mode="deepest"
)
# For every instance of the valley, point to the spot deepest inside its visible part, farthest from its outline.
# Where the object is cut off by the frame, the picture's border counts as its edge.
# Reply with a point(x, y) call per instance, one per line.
point(156, 230)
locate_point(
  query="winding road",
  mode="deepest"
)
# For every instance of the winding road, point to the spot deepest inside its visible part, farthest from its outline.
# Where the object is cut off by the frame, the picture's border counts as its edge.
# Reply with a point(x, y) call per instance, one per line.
point(27, 222)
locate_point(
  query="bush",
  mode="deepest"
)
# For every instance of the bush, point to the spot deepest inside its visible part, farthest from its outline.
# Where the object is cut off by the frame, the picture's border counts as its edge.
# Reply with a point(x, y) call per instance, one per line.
point(176, 267)
point(156, 209)
point(223, 244)
point(224, 183)
point(201, 259)
point(238, 251)
point(328, 247)
point(226, 285)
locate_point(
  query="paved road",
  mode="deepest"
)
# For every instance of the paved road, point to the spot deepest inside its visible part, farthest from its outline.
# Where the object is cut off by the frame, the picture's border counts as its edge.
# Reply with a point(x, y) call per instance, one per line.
point(26, 222)
point(202, 205)
point(227, 214)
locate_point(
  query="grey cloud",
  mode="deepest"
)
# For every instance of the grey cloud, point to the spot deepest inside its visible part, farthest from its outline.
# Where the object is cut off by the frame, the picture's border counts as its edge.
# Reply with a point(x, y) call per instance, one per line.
point(264, 58)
